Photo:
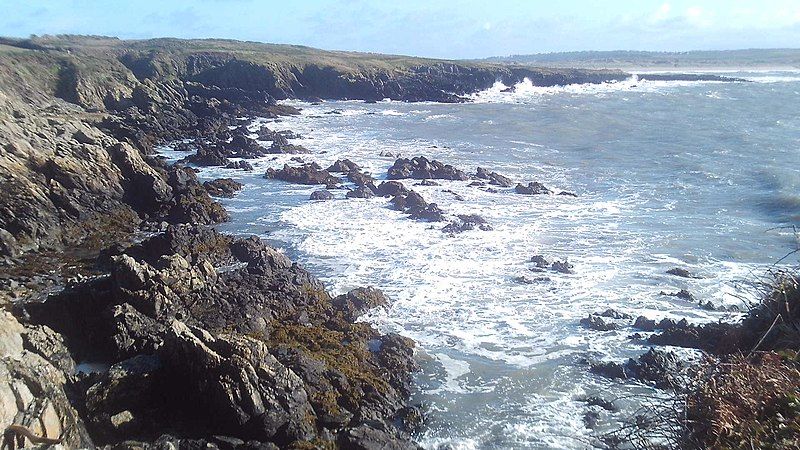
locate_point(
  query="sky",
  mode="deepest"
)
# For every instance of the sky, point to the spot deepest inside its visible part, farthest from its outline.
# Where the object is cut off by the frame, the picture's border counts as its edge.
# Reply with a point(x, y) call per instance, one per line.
point(433, 28)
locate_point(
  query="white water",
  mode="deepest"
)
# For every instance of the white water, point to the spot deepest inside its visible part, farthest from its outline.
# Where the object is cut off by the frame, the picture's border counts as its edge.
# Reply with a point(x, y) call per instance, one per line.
point(688, 174)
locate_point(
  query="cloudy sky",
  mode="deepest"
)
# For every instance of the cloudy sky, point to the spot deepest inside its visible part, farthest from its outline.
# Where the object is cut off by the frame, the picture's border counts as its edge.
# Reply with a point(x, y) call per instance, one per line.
point(436, 28)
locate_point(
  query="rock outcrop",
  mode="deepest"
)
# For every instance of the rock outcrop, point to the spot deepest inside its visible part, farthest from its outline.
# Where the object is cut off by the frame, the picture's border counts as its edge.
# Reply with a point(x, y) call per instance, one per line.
point(276, 358)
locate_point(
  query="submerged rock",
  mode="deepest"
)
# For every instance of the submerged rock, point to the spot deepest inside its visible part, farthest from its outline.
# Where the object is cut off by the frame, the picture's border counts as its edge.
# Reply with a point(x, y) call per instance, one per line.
point(467, 222)
point(682, 294)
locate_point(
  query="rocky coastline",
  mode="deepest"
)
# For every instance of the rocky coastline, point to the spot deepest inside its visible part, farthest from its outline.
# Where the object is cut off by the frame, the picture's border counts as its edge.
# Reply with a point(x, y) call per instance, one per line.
point(127, 321)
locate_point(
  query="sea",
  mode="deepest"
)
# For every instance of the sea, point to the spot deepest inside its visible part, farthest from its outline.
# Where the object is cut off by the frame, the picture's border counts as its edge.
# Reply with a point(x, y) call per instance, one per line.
point(703, 176)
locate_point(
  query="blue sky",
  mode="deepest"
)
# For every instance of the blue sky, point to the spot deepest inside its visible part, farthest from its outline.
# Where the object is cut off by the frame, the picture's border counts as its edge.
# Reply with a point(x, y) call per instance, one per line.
point(446, 29)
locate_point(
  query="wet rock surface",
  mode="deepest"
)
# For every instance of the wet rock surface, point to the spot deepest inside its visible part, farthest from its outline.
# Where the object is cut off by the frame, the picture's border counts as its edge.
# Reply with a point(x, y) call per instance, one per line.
point(223, 187)
point(532, 188)
point(661, 368)
point(306, 174)
point(467, 222)
point(422, 168)
point(494, 178)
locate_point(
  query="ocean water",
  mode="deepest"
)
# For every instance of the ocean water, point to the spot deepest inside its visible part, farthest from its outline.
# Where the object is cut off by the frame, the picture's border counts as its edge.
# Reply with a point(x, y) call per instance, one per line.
point(700, 175)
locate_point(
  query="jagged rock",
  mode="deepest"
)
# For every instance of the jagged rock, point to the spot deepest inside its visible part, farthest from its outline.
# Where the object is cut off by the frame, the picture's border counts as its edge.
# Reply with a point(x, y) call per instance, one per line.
point(682, 294)
point(223, 187)
point(247, 388)
point(30, 384)
point(658, 367)
point(305, 174)
point(683, 273)
point(568, 194)
point(190, 202)
point(242, 165)
point(644, 324)
point(494, 178)
point(361, 192)
point(533, 188)
point(540, 262)
point(209, 155)
point(344, 166)
point(392, 188)
point(562, 267)
point(596, 322)
point(467, 222)
point(358, 301)
point(321, 194)
point(413, 204)
point(614, 314)
point(600, 402)
point(361, 179)
point(423, 168)
point(427, 183)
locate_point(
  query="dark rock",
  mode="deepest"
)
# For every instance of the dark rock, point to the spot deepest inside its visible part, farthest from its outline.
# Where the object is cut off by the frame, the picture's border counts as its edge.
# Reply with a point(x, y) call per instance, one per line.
point(223, 187)
point(533, 188)
point(682, 294)
point(305, 174)
point(208, 155)
point(467, 222)
point(600, 402)
point(494, 178)
point(562, 267)
point(392, 188)
point(679, 272)
point(430, 213)
point(427, 183)
point(614, 314)
point(413, 204)
point(344, 166)
point(321, 194)
point(361, 192)
point(595, 322)
point(568, 194)
point(242, 165)
point(661, 368)
point(361, 179)
point(359, 301)
point(644, 324)
point(423, 168)
point(540, 261)
point(455, 195)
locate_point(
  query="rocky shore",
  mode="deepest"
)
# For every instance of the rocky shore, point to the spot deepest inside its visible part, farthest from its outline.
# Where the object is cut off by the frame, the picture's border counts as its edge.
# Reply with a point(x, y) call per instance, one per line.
point(127, 321)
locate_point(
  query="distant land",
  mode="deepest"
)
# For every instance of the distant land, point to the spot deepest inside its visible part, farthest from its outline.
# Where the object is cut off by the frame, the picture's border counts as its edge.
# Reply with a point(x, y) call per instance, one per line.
point(779, 58)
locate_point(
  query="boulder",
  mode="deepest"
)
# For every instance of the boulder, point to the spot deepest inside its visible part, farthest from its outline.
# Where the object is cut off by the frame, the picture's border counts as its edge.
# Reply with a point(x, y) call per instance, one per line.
point(305, 174)
point(680, 272)
point(533, 188)
point(223, 187)
point(467, 222)
point(343, 166)
point(423, 168)
point(241, 165)
point(494, 178)
point(322, 194)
